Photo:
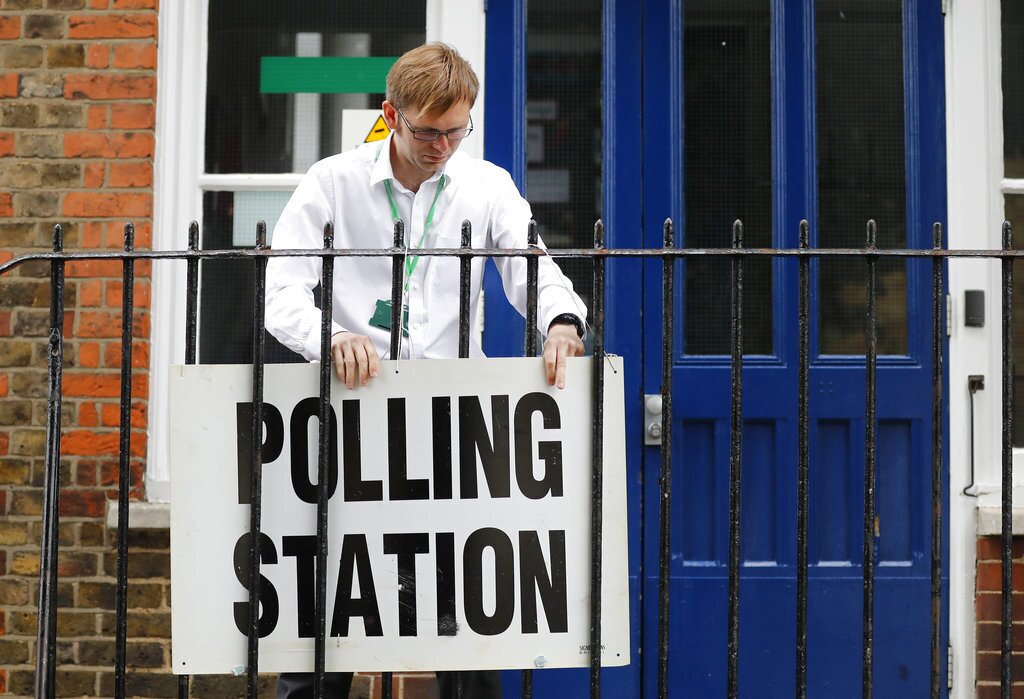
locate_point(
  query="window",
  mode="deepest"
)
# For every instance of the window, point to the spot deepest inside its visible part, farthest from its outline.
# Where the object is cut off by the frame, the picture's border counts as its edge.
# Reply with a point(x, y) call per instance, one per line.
point(235, 136)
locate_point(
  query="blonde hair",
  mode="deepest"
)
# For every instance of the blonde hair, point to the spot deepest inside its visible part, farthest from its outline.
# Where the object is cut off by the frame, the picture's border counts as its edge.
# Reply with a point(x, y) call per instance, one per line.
point(432, 78)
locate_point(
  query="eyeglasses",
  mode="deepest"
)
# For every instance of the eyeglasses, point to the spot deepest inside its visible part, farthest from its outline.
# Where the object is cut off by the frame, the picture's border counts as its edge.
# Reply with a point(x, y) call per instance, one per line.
point(434, 134)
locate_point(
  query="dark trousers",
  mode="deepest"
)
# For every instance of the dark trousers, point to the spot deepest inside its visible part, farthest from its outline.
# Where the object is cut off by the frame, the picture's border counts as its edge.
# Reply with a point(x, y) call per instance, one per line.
point(481, 684)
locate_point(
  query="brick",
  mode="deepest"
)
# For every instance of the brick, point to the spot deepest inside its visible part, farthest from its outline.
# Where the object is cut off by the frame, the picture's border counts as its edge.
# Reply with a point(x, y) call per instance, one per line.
point(14, 652)
point(989, 577)
point(43, 27)
point(138, 56)
point(109, 87)
point(115, 289)
point(132, 115)
point(132, 174)
point(112, 26)
point(23, 4)
point(23, 175)
point(111, 415)
point(95, 174)
point(140, 355)
point(93, 443)
point(65, 4)
point(29, 384)
point(65, 56)
point(16, 235)
point(220, 686)
point(103, 204)
point(18, 292)
point(115, 145)
point(39, 204)
point(419, 686)
point(77, 564)
point(62, 175)
point(15, 412)
point(10, 27)
point(91, 534)
point(141, 624)
point(98, 56)
point(26, 502)
point(83, 503)
point(6, 144)
point(28, 442)
point(20, 56)
point(142, 684)
point(41, 85)
point(62, 115)
point(8, 84)
point(19, 116)
point(6, 204)
point(33, 145)
point(15, 353)
point(70, 683)
point(14, 592)
point(99, 324)
point(12, 533)
point(24, 563)
point(93, 268)
point(135, 4)
point(97, 117)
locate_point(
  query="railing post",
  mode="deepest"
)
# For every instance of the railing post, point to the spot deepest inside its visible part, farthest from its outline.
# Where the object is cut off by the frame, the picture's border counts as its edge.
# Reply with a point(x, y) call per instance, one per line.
point(46, 639)
point(124, 473)
point(323, 462)
point(937, 388)
point(1006, 674)
point(870, 364)
point(803, 457)
point(668, 279)
point(735, 462)
point(256, 476)
point(597, 469)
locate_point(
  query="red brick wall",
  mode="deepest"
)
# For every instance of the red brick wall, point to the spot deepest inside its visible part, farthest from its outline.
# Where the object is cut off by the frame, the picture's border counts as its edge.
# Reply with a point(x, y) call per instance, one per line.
point(77, 112)
point(988, 604)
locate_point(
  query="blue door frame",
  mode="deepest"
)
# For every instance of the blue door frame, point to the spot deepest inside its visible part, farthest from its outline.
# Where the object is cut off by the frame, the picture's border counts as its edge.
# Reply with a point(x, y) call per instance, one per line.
point(643, 185)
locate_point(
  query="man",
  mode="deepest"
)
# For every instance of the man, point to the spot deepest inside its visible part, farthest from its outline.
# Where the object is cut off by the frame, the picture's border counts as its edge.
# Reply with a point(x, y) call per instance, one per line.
point(416, 175)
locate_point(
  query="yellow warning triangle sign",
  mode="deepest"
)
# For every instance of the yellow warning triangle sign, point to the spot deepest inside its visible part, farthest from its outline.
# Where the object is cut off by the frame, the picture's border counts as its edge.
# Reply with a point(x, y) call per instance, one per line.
point(378, 132)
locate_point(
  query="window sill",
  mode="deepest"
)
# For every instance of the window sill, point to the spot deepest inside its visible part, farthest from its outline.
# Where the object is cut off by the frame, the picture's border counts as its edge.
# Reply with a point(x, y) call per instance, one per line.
point(990, 521)
point(142, 515)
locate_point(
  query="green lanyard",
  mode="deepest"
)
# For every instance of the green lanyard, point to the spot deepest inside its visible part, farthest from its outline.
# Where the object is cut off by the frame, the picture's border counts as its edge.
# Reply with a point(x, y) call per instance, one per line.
point(412, 261)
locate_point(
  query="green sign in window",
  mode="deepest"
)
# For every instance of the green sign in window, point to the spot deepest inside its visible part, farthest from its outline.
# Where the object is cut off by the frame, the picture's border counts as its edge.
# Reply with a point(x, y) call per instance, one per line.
point(324, 74)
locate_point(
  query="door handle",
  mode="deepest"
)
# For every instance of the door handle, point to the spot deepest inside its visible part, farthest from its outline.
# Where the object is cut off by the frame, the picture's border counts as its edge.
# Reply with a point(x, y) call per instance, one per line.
point(652, 419)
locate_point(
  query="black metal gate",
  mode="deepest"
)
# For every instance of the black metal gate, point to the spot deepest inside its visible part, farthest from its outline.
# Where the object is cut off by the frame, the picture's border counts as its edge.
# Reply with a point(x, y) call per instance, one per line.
point(599, 256)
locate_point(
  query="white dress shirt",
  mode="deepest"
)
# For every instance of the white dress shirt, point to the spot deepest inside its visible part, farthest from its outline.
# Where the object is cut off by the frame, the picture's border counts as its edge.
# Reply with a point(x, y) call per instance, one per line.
point(348, 190)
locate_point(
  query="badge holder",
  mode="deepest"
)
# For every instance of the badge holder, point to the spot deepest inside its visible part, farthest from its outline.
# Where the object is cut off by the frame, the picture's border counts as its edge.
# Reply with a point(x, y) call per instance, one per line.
point(381, 317)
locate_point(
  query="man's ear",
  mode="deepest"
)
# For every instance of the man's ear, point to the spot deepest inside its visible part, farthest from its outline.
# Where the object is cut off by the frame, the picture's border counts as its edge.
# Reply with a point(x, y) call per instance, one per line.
point(390, 114)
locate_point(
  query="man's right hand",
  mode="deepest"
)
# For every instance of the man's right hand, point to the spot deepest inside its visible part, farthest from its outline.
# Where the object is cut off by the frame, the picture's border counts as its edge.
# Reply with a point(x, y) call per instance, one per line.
point(355, 358)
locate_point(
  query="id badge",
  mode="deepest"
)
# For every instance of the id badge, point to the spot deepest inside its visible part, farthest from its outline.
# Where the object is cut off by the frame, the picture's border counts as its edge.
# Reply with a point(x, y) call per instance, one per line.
point(381, 317)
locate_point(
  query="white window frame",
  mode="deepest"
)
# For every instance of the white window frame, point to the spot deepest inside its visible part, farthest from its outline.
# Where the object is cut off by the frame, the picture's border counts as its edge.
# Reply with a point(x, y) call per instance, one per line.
point(975, 186)
point(180, 181)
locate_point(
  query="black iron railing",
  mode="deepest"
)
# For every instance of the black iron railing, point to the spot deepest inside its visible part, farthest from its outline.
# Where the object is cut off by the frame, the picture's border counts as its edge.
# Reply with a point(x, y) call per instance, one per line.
point(669, 254)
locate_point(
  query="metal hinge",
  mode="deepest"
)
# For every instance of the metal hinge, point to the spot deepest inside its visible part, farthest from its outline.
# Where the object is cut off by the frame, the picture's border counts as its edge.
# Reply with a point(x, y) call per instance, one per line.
point(949, 315)
point(949, 667)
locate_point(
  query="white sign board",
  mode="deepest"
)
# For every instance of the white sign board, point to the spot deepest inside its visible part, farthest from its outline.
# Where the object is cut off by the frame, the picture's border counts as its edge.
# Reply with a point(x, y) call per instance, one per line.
point(359, 126)
point(459, 518)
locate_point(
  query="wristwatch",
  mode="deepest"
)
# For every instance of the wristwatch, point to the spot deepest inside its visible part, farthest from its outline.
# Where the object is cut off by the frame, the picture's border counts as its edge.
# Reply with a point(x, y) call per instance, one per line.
point(568, 319)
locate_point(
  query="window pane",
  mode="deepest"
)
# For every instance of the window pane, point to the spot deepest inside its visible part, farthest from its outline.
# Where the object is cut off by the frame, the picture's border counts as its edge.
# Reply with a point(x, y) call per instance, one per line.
point(249, 130)
point(728, 167)
point(1013, 88)
point(563, 128)
point(226, 293)
point(861, 168)
point(1015, 215)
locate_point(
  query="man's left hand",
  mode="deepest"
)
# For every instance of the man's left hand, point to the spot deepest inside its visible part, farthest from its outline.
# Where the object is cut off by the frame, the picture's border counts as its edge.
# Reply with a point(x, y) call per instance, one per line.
point(562, 341)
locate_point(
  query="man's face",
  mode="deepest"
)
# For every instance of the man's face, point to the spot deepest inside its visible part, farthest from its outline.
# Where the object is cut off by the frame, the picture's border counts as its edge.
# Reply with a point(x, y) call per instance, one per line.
point(421, 159)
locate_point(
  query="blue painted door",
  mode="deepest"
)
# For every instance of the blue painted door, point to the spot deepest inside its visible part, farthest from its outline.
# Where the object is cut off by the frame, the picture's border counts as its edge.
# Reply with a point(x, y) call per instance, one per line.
point(773, 111)
point(770, 111)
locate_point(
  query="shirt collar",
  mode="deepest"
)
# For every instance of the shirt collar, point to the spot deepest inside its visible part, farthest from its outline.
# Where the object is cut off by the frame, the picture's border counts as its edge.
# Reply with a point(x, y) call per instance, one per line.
point(382, 170)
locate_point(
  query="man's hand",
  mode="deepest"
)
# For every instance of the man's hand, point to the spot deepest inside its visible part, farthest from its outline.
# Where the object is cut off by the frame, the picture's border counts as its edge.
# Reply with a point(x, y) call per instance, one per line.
point(562, 341)
point(355, 358)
